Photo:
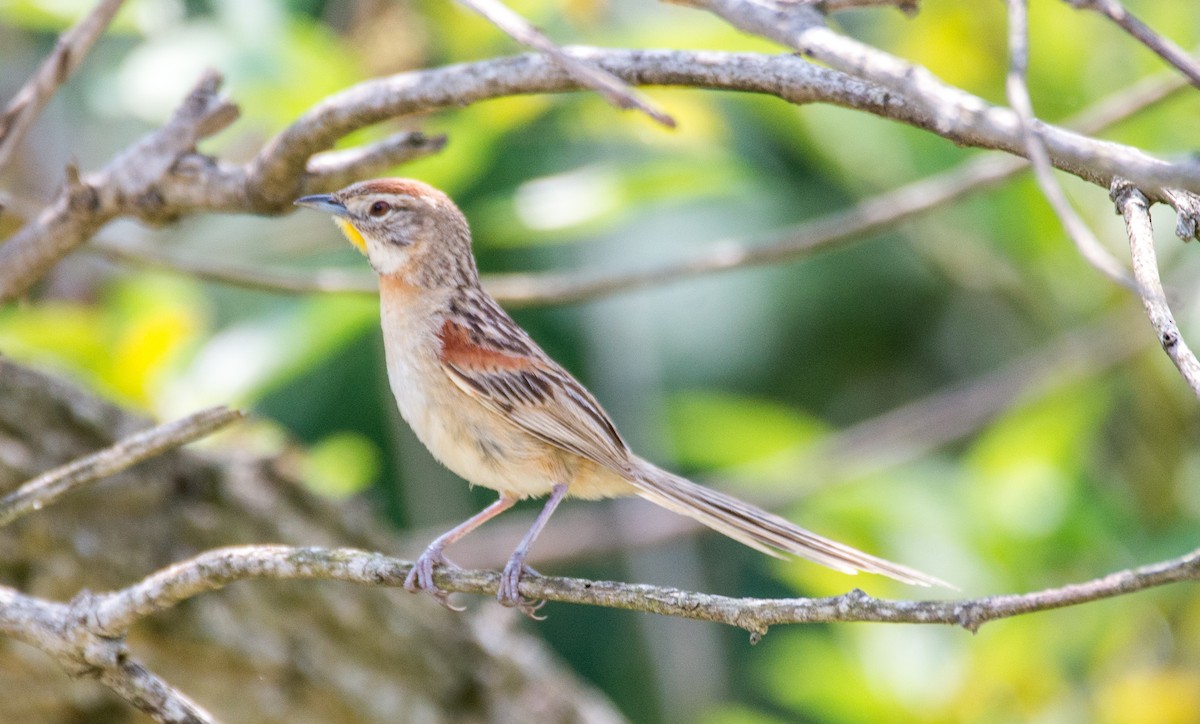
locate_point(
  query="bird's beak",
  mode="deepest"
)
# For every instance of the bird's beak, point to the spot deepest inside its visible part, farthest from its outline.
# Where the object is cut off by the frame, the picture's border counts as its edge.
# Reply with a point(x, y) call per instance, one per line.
point(322, 202)
point(330, 205)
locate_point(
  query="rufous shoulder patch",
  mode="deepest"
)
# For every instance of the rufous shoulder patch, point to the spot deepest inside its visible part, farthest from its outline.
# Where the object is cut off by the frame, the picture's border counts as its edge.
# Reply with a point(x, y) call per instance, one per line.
point(460, 348)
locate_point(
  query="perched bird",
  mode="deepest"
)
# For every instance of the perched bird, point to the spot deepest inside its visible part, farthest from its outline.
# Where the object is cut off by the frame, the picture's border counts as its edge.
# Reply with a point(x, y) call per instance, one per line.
point(495, 409)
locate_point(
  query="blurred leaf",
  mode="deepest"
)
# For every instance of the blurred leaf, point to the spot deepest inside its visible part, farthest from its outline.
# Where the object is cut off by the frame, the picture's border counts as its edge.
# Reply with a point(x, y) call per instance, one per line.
point(960, 44)
point(247, 360)
point(275, 65)
point(1027, 463)
point(341, 465)
point(60, 334)
point(476, 134)
point(1164, 696)
point(733, 714)
point(162, 316)
point(711, 430)
point(817, 678)
point(55, 16)
point(594, 199)
point(305, 64)
point(1081, 482)
point(125, 348)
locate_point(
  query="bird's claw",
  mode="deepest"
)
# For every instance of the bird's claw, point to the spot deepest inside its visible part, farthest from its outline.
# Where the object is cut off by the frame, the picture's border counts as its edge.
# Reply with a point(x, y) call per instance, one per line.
point(531, 608)
point(509, 595)
point(443, 598)
point(420, 578)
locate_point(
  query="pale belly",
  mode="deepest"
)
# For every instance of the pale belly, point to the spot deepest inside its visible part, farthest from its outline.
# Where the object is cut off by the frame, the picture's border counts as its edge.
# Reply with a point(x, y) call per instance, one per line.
point(485, 449)
point(472, 441)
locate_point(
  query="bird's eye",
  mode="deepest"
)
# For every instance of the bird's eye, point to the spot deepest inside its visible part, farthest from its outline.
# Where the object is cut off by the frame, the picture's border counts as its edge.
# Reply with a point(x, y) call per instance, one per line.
point(379, 208)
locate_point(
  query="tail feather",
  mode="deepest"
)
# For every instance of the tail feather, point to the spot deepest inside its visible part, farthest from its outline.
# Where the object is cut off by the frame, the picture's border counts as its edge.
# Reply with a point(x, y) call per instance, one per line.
point(764, 531)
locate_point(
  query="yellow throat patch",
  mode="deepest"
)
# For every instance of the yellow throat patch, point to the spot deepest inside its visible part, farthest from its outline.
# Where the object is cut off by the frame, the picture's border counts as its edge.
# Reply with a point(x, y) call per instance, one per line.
point(351, 234)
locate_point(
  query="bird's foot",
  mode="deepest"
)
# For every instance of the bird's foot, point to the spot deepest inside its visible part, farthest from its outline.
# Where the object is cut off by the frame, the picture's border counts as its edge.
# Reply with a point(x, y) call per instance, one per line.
point(508, 595)
point(420, 578)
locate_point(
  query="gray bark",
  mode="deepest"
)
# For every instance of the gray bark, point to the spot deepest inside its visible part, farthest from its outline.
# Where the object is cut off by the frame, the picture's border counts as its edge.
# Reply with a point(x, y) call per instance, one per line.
point(258, 651)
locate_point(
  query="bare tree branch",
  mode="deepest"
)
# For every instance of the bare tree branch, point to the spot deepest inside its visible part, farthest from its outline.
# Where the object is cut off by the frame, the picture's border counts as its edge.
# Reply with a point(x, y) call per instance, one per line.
point(49, 487)
point(1187, 213)
point(62, 631)
point(908, 7)
point(180, 181)
point(946, 110)
point(129, 183)
point(150, 693)
point(326, 281)
point(614, 90)
point(534, 289)
point(784, 76)
point(1133, 205)
point(70, 50)
point(87, 635)
point(333, 169)
point(163, 177)
point(273, 170)
point(110, 615)
point(1162, 46)
point(757, 615)
point(1085, 241)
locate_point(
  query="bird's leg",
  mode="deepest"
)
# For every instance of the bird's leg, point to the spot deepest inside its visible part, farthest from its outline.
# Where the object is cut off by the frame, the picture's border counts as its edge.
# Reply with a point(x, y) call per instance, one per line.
point(421, 575)
point(509, 580)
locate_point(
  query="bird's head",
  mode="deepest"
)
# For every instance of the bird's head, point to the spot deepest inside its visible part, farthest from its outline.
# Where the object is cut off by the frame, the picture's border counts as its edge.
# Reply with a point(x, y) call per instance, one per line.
point(404, 227)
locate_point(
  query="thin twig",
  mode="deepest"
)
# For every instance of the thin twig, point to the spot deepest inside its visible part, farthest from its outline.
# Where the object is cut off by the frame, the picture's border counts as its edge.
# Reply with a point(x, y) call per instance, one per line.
point(1187, 213)
point(326, 281)
point(616, 91)
point(70, 50)
point(908, 7)
point(334, 169)
point(1162, 46)
point(1124, 103)
point(1085, 241)
point(878, 213)
point(50, 486)
point(113, 613)
point(1132, 205)
point(151, 694)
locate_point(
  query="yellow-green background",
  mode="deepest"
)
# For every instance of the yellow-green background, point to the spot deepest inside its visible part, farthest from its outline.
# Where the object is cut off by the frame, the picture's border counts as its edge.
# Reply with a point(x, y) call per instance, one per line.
point(729, 377)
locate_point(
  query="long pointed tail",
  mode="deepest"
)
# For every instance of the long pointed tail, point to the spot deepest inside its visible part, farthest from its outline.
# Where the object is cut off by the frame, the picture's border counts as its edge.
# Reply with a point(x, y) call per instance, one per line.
point(764, 531)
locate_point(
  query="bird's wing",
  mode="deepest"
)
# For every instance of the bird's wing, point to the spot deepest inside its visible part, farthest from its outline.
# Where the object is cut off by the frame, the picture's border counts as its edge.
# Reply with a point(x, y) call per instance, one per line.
point(495, 362)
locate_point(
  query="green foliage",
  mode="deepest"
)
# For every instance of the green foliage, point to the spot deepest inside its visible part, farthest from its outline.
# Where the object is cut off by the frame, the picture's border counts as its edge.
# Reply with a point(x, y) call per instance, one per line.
point(719, 432)
point(341, 465)
point(129, 346)
point(739, 376)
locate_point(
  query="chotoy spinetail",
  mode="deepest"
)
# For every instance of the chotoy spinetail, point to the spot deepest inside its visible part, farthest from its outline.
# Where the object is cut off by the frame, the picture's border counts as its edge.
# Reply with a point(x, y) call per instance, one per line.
point(495, 409)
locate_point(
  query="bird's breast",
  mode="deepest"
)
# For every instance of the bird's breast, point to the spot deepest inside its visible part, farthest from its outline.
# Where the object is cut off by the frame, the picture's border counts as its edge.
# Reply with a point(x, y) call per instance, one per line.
point(462, 434)
point(471, 440)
